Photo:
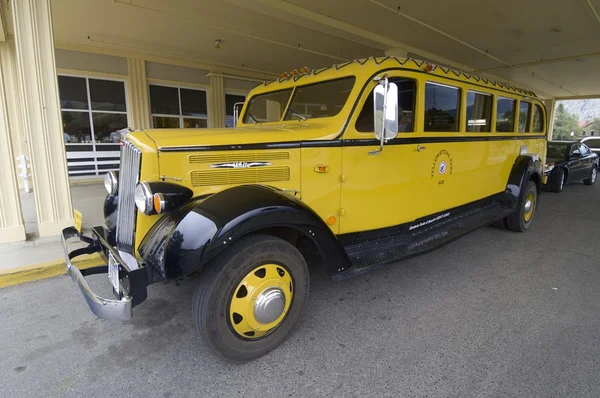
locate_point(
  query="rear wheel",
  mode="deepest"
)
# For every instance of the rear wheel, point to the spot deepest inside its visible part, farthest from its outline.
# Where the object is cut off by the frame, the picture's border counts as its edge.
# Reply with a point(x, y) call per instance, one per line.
point(560, 182)
point(520, 220)
point(591, 180)
point(251, 297)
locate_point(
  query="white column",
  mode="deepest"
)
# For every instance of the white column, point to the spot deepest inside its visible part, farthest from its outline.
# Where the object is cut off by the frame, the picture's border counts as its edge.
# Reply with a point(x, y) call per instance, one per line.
point(12, 227)
point(216, 102)
point(137, 92)
point(32, 20)
point(550, 105)
point(12, 87)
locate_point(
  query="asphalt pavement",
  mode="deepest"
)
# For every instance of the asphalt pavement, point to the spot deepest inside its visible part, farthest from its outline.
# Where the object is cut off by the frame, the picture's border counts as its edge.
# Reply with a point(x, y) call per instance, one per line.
point(495, 313)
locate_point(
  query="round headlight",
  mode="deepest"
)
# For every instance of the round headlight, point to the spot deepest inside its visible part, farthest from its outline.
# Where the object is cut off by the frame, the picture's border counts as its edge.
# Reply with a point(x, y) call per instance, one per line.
point(144, 198)
point(111, 183)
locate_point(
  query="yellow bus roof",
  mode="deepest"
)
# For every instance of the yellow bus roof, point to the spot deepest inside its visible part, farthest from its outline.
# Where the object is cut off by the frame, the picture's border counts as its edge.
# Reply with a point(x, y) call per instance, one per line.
point(372, 65)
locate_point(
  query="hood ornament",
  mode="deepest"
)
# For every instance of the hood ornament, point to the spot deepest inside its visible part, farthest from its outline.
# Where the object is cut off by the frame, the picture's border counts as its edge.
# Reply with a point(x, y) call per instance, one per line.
point(239, 165)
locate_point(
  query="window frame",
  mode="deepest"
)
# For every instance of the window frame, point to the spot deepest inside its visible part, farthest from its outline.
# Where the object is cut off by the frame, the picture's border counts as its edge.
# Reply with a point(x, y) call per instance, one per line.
point(514, 111)
point(178, 86)
point(96, 146)
point(364, 101)
point(283, 112)
point(238, 93)
point(574, 147)
point(459, 107)
point(542, 117)
point(529, 119)
point(293, 93)
point(295, 90)
point(490, 115)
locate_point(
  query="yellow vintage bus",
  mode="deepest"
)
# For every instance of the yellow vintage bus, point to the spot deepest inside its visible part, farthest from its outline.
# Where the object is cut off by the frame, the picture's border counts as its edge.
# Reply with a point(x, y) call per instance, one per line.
point(360, 164)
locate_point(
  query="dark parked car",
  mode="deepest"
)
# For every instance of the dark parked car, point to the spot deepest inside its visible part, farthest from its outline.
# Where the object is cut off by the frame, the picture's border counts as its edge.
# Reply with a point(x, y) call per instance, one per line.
point(569, 162)
point(593, 143)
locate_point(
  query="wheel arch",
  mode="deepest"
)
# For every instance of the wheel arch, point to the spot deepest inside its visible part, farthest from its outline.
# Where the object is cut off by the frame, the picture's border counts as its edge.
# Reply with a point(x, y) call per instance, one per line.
point(527, 167)
point(206, 229)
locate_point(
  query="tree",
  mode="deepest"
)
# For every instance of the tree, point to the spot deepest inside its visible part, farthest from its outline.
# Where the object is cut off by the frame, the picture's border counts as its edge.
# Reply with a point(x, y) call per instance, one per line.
point(564, 123)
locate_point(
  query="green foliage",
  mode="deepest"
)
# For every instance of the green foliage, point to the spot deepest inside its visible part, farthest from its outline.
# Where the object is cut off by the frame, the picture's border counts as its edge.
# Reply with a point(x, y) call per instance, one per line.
point(565, 123)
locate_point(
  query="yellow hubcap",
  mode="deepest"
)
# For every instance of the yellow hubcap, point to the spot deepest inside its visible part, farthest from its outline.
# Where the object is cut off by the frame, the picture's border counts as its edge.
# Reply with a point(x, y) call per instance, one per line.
point(529, 206)
point(261, 301)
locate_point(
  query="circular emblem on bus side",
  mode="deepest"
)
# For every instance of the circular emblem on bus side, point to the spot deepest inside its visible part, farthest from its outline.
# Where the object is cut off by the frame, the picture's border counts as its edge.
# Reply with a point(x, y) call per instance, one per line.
point(442, 168)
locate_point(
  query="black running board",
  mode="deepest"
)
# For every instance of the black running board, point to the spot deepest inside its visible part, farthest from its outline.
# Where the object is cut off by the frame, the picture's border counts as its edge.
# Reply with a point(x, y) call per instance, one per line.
point(370, 255)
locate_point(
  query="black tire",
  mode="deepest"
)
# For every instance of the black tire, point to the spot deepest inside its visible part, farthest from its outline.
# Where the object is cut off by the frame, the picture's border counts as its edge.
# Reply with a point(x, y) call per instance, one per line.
point(517, 221)
point(560, 182)
point(591, 180)
point(217, 286)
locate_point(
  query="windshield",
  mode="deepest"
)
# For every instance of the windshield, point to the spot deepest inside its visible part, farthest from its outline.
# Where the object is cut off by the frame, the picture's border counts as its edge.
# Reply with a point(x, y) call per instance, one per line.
point(268, 107)
point(320, 100)
point(311, 101)
point(557, 149)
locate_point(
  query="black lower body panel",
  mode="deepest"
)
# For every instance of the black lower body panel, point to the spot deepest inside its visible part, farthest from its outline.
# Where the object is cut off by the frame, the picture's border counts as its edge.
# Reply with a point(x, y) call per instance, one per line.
point(420, 236)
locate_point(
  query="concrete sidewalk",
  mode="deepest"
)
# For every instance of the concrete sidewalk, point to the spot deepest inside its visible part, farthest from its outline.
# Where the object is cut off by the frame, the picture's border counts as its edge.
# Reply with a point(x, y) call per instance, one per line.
point(39, 252)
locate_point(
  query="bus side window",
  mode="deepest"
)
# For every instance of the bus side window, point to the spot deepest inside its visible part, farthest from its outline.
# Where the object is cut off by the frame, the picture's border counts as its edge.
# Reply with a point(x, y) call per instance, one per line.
point(505, 115)
point(406, 108)
point(479, 112)
point(442, 107)
point(538, 119)
point(524, 116)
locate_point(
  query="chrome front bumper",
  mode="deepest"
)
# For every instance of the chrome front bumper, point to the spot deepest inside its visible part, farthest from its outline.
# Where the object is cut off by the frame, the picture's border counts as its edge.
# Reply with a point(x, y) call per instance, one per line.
point(132, 289)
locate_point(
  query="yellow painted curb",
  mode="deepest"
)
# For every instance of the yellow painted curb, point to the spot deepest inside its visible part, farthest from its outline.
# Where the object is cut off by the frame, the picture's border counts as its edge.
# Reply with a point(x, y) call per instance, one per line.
point(49, 269)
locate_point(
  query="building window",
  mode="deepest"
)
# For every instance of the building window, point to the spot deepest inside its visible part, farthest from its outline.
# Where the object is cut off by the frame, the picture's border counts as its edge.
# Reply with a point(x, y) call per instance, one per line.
point(479, 112)
point(524, 116)
point(538, 119)
point(93, 110)
point(441, 107)
point(230, 101)
point(505, 115)
point(177, 107)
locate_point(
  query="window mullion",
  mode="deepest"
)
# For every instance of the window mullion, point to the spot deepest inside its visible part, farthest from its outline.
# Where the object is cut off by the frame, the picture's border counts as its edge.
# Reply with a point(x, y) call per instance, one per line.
point(180, 109)
point(93, 136)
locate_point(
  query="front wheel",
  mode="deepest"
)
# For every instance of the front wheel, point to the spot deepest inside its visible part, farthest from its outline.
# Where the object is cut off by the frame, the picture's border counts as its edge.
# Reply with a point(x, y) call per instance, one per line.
point(251, 297)
point(591, 180)
point(521, 219)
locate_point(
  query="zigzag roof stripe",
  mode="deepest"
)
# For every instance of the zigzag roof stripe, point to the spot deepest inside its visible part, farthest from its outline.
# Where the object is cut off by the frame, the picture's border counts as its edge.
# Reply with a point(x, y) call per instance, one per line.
point(409, 63)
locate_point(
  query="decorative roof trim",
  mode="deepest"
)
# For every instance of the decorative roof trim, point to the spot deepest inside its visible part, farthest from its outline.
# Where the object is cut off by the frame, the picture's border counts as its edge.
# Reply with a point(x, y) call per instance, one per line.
point(418, 64)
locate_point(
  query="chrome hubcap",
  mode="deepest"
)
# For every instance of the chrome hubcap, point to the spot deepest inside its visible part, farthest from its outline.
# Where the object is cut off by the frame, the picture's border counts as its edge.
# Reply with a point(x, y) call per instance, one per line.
point(528, 205)
point(594, 173)
point(562, 181)
point(269, 305)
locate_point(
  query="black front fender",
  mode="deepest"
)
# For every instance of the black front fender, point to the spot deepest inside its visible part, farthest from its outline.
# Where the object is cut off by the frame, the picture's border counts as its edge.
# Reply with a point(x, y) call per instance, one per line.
point(182, 242)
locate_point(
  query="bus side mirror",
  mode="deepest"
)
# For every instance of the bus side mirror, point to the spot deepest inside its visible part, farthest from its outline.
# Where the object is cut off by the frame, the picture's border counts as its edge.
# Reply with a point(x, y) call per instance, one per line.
point(385, 102)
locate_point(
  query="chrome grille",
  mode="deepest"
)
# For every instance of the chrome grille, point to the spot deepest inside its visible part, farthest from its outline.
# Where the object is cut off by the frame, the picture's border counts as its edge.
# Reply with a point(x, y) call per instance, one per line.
point(129, 176)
